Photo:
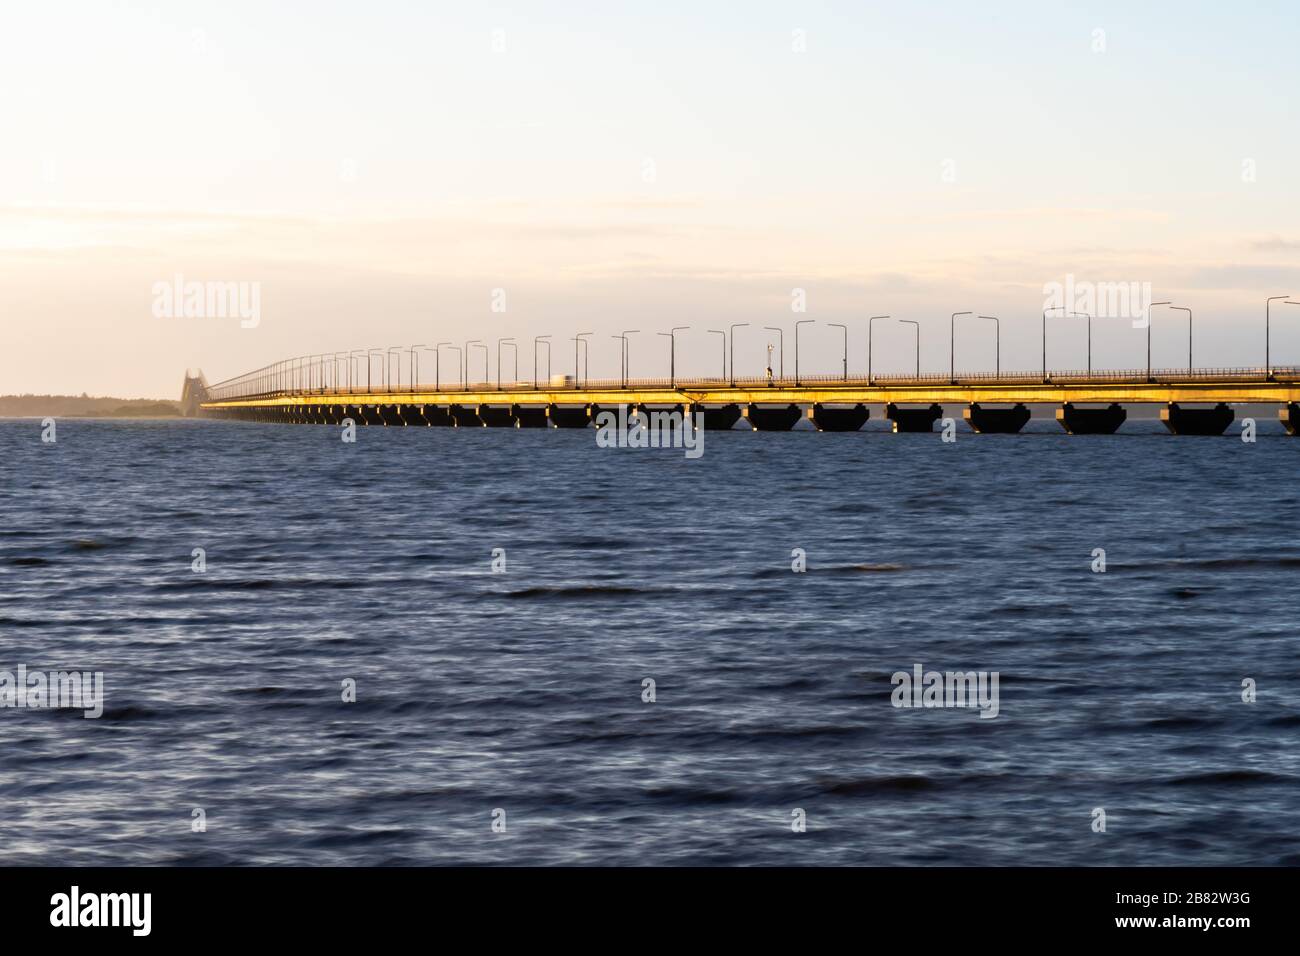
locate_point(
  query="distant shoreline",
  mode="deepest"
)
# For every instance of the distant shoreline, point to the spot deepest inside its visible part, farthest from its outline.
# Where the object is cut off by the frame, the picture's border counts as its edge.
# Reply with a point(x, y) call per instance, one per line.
point(86, 406)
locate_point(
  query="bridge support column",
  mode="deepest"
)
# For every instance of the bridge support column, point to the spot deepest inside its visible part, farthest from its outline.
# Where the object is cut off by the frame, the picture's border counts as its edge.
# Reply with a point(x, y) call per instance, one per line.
point(433, 415)
point(568, 416)
point(390, 415)
point(409, 414)
point(839, 419)
point(995, 421)
point(1091, 421)
point(1197, 421)
point(722, 418)
point(772, 418)
point(913, 419)
point(529, 416)
point(496, 416)
point(1289, 416)
point(464, 417)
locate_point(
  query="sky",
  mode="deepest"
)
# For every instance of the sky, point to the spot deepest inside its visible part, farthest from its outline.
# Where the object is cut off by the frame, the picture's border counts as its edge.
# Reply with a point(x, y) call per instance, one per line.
point(389, 174)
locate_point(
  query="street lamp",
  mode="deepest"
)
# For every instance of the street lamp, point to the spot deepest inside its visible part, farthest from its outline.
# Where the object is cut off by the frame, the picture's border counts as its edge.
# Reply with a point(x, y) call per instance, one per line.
point(1058, 308)
point(724, 351)
point(997, 353)
point(460, 357)
point(352, 366)
point(547, 340)
point(837, 325)
point(369, 353)
point(952, 346)
point(388, 361)
point(487, 376)
point(415, 365)
point(625, 353)
point(576, 339)
point(796, 348)
point(1089, 318)
point(734, 326)
point(672, 352)
point(510, 342)
point(918, 343)
point(1268, 365)
point(1183, 308)
point(780, 346)
point(465, 358)
point(437, 362)
point(1149, 308)
point(870, 322)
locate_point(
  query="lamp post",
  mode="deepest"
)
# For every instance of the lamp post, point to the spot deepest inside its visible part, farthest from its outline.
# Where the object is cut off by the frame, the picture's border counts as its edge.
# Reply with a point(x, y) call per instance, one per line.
point(1149, 308)
point(352, 362)
point(547, 340)
point(1183, 308)
point(837, 325)
point(1089, 318)
point(510, 342)
point(437, 363)
point(1268, 364)
point(487, 375)
point(780, 355)
point(997, 346)
point(672, 352)
point(734, 326)
point(415, 365)
point(724, 351)
point(369, 353)
point(918, 343)
point(952, 345)
point(465, 356)
point(388, 362)
point(870, 322)
point(460, 357)
point(580, 337)
point(1061, 309)
point(625, 356)
point(796, 348)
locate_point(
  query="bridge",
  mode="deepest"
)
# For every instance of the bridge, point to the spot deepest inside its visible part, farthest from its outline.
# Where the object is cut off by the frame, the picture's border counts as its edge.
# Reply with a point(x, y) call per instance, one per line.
point(321, 393)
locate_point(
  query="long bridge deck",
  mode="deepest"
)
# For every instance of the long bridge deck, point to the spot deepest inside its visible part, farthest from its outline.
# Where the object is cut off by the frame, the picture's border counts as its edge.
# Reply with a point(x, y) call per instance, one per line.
point(777, 403)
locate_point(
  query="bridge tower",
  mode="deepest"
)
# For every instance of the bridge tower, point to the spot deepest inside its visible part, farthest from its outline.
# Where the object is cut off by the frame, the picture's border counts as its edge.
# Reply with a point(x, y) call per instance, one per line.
point(193, 391)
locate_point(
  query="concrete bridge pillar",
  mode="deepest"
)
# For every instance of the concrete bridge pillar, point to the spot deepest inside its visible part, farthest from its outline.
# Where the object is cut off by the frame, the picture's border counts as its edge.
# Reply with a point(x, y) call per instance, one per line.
point(723, 418)
point(913, 419)
point(390, 414)
point(410, 414)
point(1091, 421)
point(1197, 421)
point(1289, 416)
point(995, 421)
point(568, 416)
point(530, 416)
point(433, 415)
point(464, 417)
point(772, 418)
point(839, 419)
point(496, 416)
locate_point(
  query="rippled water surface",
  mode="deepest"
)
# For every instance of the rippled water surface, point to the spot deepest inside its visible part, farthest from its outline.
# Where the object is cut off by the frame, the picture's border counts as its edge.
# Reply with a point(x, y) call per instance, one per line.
point(523, 690)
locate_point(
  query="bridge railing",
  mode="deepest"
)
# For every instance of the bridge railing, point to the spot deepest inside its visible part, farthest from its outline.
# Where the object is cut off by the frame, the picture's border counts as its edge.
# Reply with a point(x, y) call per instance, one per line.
point(273, 381)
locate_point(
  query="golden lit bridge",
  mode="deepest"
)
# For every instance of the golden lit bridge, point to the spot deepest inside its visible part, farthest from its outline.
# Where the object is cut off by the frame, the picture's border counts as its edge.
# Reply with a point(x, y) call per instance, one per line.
point(320, 390)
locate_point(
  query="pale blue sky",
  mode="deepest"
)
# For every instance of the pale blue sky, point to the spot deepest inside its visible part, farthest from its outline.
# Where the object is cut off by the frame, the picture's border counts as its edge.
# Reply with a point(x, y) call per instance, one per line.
point(379, 169)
